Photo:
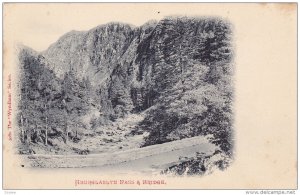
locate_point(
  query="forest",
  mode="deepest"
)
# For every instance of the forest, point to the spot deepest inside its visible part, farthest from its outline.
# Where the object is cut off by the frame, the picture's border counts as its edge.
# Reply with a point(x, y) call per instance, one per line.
point(176, 74)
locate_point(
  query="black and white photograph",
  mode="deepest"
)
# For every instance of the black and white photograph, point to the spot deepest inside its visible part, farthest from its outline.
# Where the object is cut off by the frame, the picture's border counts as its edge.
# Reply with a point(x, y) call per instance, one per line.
point(156, 97)
point(164, 96)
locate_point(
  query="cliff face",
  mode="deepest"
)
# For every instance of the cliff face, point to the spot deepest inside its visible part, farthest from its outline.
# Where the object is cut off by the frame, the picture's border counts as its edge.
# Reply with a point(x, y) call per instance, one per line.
point(97, 52)
point(178, 69)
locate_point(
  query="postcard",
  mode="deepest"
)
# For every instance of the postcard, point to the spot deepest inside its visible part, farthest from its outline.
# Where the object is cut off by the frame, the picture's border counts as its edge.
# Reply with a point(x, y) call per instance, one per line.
point(150, 96)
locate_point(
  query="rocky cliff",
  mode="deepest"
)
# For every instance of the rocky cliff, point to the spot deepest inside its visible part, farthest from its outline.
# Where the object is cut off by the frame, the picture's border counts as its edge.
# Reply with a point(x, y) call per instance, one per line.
point(177, 71)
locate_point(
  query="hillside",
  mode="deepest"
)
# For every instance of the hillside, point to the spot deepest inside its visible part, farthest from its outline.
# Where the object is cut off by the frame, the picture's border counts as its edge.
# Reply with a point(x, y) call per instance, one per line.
point(117, 87)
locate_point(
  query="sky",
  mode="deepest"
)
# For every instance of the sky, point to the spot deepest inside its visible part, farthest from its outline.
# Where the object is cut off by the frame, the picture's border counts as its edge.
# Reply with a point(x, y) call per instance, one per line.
point(39, 25)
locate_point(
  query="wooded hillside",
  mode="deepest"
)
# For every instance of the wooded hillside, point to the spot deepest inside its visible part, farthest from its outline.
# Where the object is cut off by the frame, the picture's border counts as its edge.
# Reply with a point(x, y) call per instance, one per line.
point(177, 72)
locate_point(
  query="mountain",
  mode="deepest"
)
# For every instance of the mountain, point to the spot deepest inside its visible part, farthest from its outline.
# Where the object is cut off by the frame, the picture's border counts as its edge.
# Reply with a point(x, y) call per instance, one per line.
point(176, 72)
point(97, 52)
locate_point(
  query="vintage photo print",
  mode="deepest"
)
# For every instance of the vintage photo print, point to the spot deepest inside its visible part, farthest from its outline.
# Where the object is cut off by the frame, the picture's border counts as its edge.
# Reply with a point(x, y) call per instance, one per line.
point(149, 95)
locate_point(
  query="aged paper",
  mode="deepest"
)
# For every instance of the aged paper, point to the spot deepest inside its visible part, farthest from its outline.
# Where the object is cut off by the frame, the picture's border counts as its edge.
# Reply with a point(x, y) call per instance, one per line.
point(263, 61)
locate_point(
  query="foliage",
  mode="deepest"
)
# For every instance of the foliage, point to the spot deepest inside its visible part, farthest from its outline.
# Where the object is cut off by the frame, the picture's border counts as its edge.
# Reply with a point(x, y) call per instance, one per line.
point(47, 102)
point(178, 72)
point(194, 81)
